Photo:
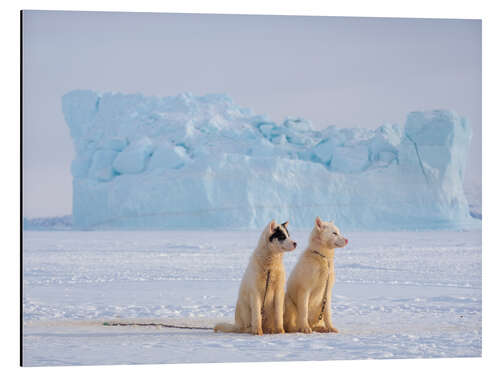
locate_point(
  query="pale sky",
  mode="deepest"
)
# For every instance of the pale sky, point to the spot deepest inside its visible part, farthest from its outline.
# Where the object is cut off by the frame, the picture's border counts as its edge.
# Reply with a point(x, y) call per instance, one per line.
point(348, 72)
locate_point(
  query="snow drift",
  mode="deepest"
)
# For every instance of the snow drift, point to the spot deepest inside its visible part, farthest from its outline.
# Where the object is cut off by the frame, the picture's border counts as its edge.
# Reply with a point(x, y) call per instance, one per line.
point(205, 162)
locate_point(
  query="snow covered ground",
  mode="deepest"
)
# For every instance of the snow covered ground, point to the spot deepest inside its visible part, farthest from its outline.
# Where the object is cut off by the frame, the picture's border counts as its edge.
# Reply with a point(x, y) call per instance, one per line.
point(397, 295)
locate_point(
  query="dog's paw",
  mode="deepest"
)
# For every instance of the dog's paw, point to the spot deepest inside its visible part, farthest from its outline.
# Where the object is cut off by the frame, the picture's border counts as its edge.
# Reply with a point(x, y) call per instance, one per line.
point(332, 330)
point(257, 331)
point(273, 331)
point(305, 330)
point(321, 329)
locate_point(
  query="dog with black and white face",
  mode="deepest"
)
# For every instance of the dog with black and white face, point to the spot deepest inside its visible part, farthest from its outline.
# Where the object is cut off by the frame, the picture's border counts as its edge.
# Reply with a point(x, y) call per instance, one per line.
point(260, 304)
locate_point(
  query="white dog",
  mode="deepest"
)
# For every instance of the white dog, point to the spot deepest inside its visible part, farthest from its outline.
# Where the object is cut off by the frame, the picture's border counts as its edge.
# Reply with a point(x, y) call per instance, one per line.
point(262, 291)
point(309, 288)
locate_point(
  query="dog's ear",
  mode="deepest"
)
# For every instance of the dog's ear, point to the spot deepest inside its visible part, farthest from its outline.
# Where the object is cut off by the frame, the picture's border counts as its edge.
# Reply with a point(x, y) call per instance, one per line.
point(285, 224)
point(318, 222)
point(272, 226)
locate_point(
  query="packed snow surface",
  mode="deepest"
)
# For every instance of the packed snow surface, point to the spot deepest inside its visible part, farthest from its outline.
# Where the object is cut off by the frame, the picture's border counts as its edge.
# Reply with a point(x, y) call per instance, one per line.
point(190, 162)
point(397, 295)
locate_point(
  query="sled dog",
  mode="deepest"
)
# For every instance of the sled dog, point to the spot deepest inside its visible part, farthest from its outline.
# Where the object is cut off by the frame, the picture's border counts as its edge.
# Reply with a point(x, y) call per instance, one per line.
point(259, 308)
point(309, 288)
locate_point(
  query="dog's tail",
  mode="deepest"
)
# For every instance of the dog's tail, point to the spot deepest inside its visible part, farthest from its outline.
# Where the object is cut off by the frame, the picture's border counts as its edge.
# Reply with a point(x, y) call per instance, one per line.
point(226, 327)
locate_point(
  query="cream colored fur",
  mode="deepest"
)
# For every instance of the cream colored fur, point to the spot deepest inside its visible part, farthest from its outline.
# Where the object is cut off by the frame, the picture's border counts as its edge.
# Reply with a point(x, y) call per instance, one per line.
point(306, 285)
point(266, 257)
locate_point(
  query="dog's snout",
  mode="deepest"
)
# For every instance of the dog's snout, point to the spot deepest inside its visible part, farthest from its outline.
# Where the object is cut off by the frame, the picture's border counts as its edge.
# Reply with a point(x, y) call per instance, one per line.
point(294, 245)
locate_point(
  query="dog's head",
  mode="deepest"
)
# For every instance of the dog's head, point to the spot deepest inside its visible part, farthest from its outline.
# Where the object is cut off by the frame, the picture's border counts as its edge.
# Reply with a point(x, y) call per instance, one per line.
point(327, 234)
point(278, 237)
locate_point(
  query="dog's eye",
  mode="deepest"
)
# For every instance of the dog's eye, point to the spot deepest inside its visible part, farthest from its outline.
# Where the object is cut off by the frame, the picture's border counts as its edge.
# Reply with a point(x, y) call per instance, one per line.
point(279, 235)
point(335, 233)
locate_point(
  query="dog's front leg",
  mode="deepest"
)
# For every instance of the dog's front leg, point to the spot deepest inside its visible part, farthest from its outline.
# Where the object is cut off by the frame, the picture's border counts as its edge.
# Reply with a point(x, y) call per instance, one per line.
point(302, 311)
point(328, 315)
point(279, 303)
point(255, 307)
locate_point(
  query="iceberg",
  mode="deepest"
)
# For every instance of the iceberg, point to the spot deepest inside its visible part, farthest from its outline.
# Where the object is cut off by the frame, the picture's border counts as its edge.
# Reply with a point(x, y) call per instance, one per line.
point(201, 162)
